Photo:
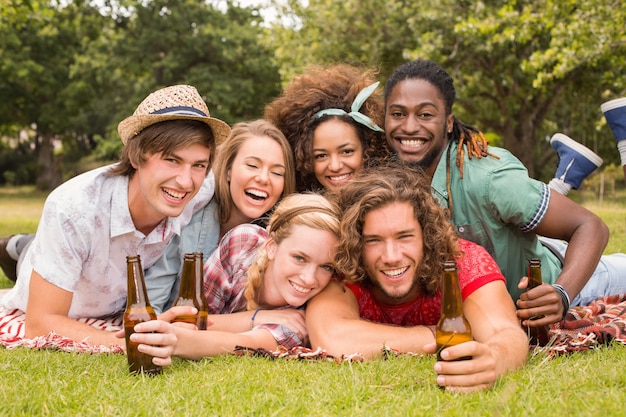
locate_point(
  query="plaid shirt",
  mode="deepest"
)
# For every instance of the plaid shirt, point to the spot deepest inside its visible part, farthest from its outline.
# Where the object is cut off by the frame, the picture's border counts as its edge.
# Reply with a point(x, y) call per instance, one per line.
point(225, 278)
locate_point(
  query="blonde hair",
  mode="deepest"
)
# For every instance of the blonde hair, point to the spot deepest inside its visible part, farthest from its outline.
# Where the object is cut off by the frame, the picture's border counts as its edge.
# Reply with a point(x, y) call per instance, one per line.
point(312, 210)
point(227, 152)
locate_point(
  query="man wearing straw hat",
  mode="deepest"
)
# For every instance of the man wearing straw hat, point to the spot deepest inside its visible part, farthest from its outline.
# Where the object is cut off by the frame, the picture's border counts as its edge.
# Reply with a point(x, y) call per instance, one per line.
point(75, 267)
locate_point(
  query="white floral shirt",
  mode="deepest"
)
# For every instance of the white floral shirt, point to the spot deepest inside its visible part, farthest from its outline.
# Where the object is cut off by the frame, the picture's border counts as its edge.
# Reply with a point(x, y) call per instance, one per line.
point(84, 235)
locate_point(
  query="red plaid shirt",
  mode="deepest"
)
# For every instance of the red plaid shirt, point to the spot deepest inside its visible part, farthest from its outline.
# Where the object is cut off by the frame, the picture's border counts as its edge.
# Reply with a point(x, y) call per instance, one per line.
point(225, 277)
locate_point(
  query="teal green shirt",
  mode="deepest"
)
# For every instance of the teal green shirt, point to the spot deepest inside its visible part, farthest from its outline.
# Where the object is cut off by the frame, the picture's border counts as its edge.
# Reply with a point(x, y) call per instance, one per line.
point(497, 205)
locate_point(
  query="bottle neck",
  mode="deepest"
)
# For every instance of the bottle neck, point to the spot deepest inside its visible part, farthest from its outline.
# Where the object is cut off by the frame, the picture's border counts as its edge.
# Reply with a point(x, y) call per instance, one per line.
point(137, 293)
point(451, 301)
point(187, 279)
point(534, 274)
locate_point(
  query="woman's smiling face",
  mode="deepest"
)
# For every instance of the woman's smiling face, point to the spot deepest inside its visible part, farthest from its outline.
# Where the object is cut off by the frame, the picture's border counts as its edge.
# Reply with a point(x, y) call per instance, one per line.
point(337, 153)
point(256, 177)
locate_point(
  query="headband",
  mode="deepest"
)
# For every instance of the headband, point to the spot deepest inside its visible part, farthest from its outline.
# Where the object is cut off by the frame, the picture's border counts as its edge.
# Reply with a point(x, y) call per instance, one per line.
point(283, 219)
point(356, 106)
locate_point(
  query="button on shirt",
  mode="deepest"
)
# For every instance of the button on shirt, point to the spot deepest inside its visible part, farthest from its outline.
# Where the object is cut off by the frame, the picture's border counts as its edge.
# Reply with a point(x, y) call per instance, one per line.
point(83, 238)
point(497, 205)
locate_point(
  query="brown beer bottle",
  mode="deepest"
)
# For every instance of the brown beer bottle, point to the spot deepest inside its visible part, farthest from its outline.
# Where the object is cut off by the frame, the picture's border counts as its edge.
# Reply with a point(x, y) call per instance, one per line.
point(539, 336)
point(191, 292)
point(138, 309)
point(452, 328)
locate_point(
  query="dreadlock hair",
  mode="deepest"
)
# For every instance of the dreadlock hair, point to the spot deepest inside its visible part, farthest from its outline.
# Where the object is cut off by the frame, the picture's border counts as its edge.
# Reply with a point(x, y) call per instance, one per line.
point(321, 88)
point(312, 210)
point(378, 187)
point(470, 140)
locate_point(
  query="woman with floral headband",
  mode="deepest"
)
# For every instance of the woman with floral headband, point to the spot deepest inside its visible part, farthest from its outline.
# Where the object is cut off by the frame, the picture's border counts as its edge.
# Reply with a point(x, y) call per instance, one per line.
point(257, 272)
point(331, 117)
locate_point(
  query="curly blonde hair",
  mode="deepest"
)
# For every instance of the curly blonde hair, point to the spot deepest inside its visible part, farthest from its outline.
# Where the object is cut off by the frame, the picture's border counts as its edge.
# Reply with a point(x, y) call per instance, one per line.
point(312, 210)
point(378, 187)
point(320, 88)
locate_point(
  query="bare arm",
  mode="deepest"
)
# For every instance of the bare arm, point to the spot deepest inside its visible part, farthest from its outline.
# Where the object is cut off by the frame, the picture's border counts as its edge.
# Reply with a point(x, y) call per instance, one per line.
point(47, 311)
point(334, 324)
point(195, 344)
point(587, 236)
point(499, 345)
point(242, 321)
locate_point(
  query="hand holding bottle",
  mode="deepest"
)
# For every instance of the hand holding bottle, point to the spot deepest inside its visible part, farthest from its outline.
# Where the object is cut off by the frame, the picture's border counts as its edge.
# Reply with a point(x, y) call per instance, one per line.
point(473, 374)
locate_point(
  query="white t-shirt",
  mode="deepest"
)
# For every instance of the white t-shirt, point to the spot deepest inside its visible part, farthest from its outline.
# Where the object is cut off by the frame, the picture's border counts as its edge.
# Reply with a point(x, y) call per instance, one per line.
point(84, 235)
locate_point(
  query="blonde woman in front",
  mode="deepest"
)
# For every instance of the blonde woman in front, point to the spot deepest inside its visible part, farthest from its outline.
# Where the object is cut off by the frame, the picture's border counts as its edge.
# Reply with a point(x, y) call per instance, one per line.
point(253, 274)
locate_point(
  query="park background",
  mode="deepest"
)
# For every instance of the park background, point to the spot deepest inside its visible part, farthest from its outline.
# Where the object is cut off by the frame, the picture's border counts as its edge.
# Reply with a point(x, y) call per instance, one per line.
point(71, 70)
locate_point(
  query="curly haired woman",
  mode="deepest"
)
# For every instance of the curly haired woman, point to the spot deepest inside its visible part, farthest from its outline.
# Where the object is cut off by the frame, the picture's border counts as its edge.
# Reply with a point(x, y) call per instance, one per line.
point(331, 117)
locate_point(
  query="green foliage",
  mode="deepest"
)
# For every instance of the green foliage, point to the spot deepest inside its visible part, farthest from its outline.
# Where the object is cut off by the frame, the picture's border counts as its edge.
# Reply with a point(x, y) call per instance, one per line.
point(527, 69)
point(372, 33)
point(72, 70)
point(523, 70)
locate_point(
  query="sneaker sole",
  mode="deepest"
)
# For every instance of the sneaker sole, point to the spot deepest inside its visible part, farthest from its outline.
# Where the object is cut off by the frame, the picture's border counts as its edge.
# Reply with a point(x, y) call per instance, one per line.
point(613, 104)
point(581, 149)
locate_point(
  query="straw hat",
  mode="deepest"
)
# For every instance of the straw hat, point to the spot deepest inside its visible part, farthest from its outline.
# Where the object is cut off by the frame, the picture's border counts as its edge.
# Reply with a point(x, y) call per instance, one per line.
point(178, 102)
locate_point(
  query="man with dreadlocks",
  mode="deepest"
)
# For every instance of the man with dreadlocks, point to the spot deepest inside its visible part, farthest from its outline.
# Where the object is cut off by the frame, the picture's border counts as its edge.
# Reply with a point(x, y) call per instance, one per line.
point(493, 202)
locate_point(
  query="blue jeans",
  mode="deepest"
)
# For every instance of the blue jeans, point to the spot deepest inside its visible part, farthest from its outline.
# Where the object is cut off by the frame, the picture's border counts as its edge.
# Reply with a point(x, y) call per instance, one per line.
point(609, 278)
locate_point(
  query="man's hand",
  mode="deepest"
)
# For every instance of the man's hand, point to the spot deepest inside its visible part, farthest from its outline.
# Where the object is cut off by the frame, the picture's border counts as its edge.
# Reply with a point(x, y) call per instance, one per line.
point(171, 314)
point(475, 374)
point(156, 338)
point(542, 302)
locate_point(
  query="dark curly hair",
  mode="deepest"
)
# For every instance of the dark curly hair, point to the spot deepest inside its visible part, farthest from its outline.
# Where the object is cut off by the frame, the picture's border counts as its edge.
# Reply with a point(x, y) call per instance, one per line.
point(322, 88)
point(380, 186)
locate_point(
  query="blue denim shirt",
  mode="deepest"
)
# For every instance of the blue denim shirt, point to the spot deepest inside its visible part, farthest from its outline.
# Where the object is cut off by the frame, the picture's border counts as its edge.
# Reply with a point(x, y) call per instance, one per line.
point(200, 235)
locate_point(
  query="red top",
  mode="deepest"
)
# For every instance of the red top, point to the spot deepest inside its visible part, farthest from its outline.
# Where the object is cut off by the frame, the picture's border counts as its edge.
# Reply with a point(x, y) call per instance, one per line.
point(475, 269)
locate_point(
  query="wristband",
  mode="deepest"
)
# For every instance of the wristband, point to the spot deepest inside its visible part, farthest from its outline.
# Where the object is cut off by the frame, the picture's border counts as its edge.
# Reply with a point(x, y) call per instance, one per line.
point(253, 316)
point(564, 298)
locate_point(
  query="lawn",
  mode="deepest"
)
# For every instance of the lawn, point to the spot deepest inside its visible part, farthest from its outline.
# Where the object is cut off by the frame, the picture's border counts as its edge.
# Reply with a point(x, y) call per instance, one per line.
point(52, 383)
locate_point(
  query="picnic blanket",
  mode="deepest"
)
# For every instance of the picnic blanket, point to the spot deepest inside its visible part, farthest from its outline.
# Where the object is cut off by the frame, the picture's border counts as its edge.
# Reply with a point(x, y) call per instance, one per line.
point(584, 327)
point(12, 335)
point(588, 327)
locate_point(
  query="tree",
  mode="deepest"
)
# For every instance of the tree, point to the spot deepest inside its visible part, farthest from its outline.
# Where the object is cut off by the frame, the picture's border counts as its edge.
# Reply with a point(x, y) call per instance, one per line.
point(166, 42)
point(360, 32)
point(73, 71)
point(40, 41)
point(520, 65)
point(523, 69)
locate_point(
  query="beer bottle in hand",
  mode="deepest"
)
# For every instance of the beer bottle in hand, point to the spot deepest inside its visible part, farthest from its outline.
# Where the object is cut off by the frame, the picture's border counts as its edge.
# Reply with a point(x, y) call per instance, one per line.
point(138, 309)
point(539, 336)
point(191, 292)
point(452, 328)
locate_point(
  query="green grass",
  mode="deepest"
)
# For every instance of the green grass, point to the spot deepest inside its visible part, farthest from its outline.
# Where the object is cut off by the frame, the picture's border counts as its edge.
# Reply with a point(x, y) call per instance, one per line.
point(51, 383)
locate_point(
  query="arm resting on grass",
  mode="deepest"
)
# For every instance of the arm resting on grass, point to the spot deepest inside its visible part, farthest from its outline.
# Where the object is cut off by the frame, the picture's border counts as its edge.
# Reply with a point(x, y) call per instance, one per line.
point(47, 311)
point(154, 339)
point(334, 324)
point(241, 321)
point(500, 345)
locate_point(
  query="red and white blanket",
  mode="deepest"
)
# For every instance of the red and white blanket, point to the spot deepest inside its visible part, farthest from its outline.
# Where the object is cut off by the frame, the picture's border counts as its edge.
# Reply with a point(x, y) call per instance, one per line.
point(12, 335)
point(584, 328)
point(588, 327)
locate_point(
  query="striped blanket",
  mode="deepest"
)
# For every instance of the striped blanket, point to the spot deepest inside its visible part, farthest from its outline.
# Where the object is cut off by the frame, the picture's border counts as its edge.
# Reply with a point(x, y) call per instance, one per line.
point(12, 335)
point(584, 328)
point(587, 327)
